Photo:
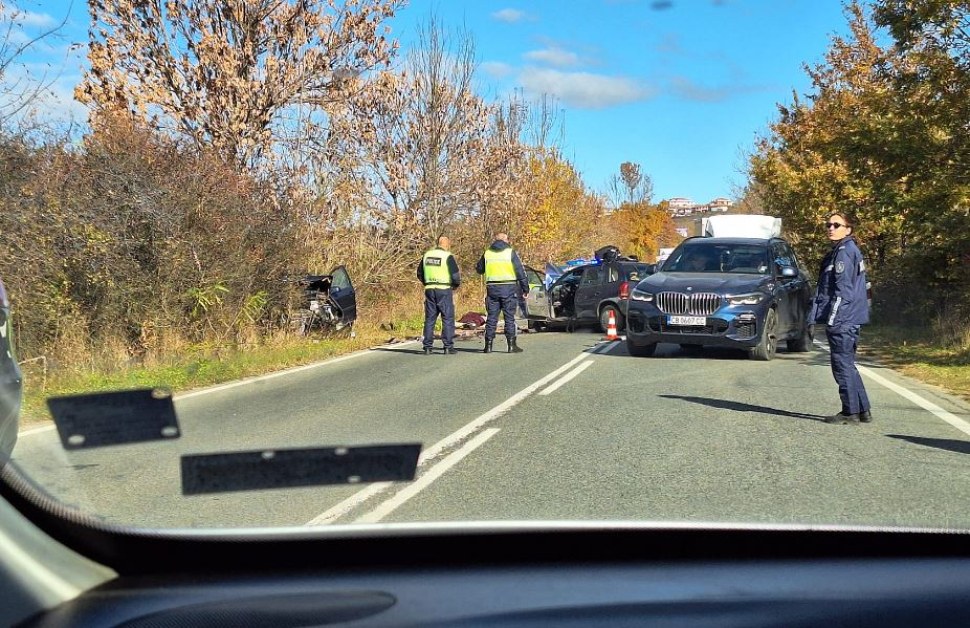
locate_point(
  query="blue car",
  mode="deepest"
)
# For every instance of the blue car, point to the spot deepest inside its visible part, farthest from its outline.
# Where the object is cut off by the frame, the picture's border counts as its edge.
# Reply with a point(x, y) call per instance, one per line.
point(745, 293)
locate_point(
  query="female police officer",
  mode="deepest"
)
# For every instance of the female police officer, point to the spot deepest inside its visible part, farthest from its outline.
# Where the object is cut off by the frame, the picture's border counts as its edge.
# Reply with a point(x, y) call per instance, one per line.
point(841, 304)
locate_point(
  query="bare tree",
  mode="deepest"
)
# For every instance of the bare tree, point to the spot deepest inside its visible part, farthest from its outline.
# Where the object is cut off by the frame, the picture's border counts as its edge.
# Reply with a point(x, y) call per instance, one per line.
point(630, 185)
point(18, 92)
point(407, 158)
point(222, 71)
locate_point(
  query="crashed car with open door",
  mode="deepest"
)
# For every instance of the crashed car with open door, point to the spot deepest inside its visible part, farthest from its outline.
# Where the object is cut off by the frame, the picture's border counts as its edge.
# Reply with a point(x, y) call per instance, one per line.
point(329, 302)
point(587, 294)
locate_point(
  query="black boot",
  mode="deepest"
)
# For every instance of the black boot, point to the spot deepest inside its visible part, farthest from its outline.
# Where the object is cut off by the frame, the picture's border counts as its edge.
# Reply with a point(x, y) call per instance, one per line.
point(514, 347)
point(488, 345)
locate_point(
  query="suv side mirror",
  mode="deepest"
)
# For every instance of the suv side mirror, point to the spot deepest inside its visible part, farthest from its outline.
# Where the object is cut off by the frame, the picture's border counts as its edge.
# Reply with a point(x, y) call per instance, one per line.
point(652, 268)
point(788, 272)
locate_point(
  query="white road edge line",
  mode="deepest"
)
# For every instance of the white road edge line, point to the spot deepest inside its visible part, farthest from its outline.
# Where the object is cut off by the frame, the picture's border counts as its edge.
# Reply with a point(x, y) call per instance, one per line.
point(435, 450)
point(290, 371)
point(566, 378)
point(940, 413)
point(250, 380)
point(427, 478)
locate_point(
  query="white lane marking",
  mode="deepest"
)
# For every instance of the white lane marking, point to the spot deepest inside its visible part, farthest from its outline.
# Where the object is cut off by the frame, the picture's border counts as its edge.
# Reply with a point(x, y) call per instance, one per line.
point(452, 439)
point(940, 413)
point(305, 367)
point(606, 346)
point(348, 504)
point(250, 380)
point(427, 478)
point(566, 378)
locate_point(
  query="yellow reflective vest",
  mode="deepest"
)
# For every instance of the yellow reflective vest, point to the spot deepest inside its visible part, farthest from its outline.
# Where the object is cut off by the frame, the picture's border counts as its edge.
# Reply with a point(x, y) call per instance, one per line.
point(499, 267)
point(436, 273)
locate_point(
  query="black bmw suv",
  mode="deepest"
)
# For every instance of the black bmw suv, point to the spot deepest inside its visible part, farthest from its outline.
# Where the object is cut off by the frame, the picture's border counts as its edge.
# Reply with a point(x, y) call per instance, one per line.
point(747, 293)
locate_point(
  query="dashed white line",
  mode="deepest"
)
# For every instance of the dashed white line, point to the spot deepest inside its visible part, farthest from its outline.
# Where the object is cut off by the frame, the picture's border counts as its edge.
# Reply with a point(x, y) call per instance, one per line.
point(427, 478)
point(358, 498)
point(566, 378)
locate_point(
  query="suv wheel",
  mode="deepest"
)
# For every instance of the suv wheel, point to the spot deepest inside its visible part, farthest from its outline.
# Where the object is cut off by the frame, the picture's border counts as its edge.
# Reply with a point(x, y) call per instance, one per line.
point(804, 341)
point(605, 318)
point(769, 338)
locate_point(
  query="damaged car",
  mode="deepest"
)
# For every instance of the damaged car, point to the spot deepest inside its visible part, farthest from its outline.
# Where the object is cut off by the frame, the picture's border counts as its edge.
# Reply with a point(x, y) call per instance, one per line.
point(329, 302)
point(748, 293)
point(586, 294)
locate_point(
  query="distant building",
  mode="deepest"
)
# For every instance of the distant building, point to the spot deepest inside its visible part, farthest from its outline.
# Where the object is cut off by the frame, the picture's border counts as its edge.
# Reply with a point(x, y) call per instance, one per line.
point(682, 206)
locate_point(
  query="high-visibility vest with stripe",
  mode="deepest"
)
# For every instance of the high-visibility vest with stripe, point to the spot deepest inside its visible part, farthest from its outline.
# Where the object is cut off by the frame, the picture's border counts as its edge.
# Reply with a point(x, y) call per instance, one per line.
point(499, 267)
point(436, 273)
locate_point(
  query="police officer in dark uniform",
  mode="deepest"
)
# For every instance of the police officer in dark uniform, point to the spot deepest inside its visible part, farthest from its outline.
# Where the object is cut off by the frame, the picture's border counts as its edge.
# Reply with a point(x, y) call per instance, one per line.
point(438, 271)
point(842, 304)
point(506, 284)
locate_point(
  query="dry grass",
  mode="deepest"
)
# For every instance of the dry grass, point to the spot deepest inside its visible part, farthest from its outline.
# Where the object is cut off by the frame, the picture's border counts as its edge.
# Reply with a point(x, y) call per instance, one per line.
point(923, 354)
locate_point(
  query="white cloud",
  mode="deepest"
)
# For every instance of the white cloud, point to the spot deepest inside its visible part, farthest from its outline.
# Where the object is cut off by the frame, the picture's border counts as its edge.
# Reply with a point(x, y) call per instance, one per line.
point(582, 89)
point(496, 69)
point(26, 19)
point(510, 16)
point(36, 20)
point(553, 55)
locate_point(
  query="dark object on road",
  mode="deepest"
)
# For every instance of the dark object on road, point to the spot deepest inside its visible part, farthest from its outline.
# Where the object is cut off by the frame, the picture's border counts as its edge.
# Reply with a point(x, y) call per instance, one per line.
point(329, 302)
point(288, 468)
point(11, 381)
point(587, 294)
point(745, 293)
point(114, 418)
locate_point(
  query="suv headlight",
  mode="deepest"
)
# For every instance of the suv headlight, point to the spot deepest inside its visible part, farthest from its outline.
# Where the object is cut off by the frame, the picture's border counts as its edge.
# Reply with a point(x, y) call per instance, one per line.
point(640, 295)
point(753, 298)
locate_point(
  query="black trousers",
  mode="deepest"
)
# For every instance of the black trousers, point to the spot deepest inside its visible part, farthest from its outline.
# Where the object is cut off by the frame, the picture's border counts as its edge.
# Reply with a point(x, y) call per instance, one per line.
point(843, 343)
point(501, 298)
point(438, 301)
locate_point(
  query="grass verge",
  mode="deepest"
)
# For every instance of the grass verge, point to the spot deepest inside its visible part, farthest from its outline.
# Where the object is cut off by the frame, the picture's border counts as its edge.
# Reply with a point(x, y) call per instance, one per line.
point(198, 368)
point(917, 354)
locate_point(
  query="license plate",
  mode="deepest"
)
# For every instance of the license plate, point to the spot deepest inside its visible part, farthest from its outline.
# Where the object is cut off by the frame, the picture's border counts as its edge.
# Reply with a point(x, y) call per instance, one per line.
point(697, 321)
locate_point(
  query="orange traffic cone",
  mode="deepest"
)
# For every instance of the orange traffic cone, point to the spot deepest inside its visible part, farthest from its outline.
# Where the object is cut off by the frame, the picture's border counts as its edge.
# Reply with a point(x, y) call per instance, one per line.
point(611, 327)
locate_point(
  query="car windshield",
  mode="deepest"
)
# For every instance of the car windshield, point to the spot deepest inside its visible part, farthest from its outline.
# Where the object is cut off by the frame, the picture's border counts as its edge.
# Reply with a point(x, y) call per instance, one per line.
point(265, 261)
point(719, 258)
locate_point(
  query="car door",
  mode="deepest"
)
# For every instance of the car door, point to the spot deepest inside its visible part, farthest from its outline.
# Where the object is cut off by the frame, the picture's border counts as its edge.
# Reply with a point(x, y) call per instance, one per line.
point(589, 292)
point(343, 295)
point(787, 289)
point(537, 302)
point(562, 295)
point(801, 294)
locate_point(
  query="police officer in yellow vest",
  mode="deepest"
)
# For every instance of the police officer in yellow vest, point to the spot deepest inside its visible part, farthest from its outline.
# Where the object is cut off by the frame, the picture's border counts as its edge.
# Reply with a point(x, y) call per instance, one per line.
point(506, 283)
point(438, 271)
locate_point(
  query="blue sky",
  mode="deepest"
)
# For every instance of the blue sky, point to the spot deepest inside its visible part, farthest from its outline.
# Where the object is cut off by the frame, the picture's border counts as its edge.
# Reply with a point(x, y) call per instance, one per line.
point(681, 87)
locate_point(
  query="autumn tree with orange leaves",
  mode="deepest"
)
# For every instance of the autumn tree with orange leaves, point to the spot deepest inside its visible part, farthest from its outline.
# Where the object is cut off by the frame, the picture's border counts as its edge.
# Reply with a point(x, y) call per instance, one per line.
point(223, 72)
point(644, 228)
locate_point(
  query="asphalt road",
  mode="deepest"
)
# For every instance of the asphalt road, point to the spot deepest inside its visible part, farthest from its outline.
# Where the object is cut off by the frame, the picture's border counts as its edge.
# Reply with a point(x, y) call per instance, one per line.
point(572, 429)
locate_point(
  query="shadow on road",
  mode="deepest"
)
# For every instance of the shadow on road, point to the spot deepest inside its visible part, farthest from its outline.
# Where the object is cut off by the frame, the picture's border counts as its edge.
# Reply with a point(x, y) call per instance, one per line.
point(737, 406)
point(958, 446)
